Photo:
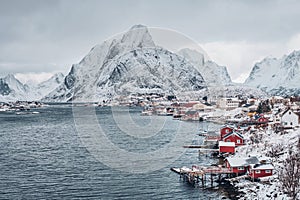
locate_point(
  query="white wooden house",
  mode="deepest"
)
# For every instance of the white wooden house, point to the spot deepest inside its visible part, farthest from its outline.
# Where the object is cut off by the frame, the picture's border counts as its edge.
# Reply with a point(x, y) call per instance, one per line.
point(289, 119)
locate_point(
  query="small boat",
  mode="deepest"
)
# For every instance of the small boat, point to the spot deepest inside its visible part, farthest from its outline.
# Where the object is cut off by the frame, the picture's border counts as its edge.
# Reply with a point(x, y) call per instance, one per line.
point(147, 113)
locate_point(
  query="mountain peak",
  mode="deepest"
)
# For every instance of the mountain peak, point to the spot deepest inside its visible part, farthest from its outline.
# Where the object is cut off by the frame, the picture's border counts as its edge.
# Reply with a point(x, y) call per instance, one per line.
point(10, 76)
point(277, 76)
point(138, 26)
point(138, 36)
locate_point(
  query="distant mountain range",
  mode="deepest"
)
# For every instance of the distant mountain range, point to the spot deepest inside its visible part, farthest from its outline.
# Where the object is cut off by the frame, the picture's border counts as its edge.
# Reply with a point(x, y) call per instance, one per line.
point(11, 89)
point(133, 63)
point(277, 76)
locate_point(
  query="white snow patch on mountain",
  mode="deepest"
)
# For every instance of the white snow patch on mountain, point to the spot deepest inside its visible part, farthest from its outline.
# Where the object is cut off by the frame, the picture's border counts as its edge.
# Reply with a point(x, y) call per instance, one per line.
point(277, 76)
point(11, 89)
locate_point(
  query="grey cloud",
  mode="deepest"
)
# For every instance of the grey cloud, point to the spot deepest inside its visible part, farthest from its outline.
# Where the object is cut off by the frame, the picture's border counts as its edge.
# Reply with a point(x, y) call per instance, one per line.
point(38, 32)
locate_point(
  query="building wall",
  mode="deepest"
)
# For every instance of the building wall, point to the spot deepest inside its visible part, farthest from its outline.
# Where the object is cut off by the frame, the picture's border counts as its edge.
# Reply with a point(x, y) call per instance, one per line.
point(290, 119)
point(228, 103)
point(262, 173)
point(225, 130)
point(226, 149)
point(237, 170)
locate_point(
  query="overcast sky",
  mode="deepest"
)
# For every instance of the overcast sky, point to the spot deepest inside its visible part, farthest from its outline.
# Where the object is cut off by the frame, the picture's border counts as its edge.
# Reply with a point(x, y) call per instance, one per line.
point(49, 35)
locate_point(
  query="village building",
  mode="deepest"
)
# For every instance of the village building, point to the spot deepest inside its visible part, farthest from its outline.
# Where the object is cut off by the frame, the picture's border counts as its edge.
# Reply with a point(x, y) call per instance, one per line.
point(262, 120)
point(240, 166)
point(260, 170)
point(188, 105)
point(235, 137)
point(289, 119)
point(191, 115)
point(228, 103)
point(202, 107)
point(226, 147)
point(225, 130)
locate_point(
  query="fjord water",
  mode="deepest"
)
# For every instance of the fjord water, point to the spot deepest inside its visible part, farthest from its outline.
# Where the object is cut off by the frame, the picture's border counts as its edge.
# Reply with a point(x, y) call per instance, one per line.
point(42, 157)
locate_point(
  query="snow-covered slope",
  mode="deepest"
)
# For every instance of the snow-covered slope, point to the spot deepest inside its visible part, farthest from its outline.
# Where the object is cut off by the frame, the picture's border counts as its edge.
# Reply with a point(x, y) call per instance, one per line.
point(217, 78)
point(132, 64)
point(277, 76)
point(213, 74)
point(42, 89)
point(11, 89)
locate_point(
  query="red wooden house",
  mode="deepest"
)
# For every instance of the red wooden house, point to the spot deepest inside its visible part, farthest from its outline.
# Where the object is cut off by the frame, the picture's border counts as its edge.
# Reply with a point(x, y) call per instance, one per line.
point(261, 170)
point(240, 166)
point(235, 137)
point(225, 130)
point(263, 120)
point(226, 147)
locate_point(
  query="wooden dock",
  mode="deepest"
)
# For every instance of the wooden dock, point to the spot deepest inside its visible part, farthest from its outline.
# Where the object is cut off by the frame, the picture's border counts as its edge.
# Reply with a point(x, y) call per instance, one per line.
point(200, 173)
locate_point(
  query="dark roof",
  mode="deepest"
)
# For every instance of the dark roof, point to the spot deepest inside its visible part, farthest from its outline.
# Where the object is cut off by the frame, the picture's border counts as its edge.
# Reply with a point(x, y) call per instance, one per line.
point(286, 111)
point(252, 160)
point(231, 133)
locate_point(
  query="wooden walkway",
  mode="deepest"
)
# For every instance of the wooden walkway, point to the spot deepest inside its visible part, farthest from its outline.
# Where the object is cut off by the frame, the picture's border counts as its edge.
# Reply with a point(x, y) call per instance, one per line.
point(198, 170)
point(199, 173)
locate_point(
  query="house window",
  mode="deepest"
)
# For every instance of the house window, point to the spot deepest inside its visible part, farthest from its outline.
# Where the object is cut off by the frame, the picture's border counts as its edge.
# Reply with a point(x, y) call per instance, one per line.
point(228, 140)
point(257, 171)
point(290, 113)
point(291, 123)
point(268, 171)
point(240, 168)
point(238, 141)
point(226, 131)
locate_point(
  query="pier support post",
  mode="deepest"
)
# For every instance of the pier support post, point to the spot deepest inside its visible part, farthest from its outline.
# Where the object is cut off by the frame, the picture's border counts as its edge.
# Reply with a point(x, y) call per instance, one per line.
point(211, 180)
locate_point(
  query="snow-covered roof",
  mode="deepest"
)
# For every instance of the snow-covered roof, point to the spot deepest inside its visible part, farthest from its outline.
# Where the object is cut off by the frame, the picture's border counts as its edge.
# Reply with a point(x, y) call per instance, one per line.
point(226, 144)
point(262, 166)
point(237, 161)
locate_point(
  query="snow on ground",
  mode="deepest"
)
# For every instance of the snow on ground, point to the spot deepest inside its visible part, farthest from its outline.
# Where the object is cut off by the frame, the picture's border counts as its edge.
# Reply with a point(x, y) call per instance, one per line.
point(267, 141)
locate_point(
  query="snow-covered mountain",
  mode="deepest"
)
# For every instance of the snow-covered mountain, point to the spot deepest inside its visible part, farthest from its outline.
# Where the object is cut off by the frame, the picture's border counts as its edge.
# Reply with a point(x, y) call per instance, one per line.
point(277, 76)
point(213, 74)
point(131, 64)
point(42, 89)
point(11, 89)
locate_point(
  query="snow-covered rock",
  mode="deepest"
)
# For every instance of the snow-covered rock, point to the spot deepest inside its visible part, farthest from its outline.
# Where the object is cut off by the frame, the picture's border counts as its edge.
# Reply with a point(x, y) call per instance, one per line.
point(213, 74)
point(11, 89)
point(131, 64)
point(42, 89)
point(277, 76)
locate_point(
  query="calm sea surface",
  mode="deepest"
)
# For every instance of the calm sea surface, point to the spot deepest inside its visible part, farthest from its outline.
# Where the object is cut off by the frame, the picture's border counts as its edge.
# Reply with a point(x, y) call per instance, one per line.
point(43, 156)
